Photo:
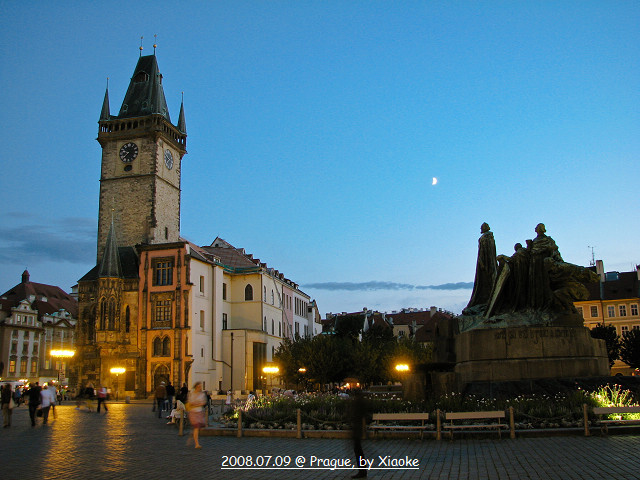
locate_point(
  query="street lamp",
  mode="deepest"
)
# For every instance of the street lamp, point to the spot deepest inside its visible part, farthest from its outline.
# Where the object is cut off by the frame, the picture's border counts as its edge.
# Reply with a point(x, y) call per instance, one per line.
point(402, 368)
point(270, 370)
point(117, 371)
point(62, 355)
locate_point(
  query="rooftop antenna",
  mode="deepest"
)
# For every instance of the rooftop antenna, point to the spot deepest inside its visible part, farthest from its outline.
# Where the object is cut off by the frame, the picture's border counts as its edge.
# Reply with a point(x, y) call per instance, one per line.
point(155, 44)
point(593, 257)
point(141, 45)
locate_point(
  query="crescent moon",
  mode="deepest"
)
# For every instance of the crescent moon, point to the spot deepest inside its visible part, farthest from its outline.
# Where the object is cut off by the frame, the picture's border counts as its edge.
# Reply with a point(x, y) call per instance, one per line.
point(434, 181)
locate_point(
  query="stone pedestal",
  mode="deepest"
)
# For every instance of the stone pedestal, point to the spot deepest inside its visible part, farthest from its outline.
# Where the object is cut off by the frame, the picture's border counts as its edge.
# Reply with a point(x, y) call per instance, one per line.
point(528, 353)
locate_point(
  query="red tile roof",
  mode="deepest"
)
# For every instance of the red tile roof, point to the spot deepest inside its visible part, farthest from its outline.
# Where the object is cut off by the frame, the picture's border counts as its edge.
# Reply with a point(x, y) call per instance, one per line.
point(46, 299)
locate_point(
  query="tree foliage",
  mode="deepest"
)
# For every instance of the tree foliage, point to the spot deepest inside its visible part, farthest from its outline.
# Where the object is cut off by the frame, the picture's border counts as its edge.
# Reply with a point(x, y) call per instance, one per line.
point(332, 358)
point(349, 325)
point(630, 348)
point(609, 334)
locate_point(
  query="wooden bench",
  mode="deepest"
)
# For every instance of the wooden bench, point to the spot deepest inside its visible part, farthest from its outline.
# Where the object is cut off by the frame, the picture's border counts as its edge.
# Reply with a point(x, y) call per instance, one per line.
point(466, 416)
point(399, 418)
point(613, 411)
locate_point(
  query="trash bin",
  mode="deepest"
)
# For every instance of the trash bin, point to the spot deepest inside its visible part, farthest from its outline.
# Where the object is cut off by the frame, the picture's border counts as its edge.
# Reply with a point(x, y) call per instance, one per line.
point(127, 399)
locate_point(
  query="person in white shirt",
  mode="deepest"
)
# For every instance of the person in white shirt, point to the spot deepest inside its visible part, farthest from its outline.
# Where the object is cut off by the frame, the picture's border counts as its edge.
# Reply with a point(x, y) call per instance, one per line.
point(46, 400)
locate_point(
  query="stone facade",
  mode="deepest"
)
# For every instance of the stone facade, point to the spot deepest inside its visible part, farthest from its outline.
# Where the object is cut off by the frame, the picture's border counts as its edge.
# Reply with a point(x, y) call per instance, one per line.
point(141, 196)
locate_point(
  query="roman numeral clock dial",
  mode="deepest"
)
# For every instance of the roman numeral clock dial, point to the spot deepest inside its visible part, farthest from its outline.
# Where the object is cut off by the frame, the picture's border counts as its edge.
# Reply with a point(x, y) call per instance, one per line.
point(128, 152)
point(168, 159)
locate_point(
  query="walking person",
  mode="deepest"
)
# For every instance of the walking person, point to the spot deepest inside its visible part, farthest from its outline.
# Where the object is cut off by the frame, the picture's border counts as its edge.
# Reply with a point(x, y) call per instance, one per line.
point(184, 393)
point(161, 396)
point(45, 403)
point(6, 400)
point(358, 414)
point(102, 398)
point(53, 396)
point(171, 393)
point(195, 407)
point(17, 396)
point(89, 395)
point(33, 394)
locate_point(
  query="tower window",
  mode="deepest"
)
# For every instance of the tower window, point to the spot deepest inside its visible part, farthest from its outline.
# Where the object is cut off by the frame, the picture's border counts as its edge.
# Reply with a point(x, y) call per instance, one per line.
point(141, 77)
point(248, 292)
point(166, 233)
point(163, 272)
point(163, 311)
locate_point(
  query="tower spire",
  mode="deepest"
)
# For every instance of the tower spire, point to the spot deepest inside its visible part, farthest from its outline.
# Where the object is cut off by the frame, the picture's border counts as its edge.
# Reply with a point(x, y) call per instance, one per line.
point(105, 114)
point(182, 124)
point(110, 264)
point(145, 95)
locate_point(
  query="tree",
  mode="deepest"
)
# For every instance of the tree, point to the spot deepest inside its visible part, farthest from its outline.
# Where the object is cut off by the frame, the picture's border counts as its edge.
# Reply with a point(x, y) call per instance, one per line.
point(630, 348)
point(349, 325)
point(609, 334)
point(290, 357)
point(329, 359)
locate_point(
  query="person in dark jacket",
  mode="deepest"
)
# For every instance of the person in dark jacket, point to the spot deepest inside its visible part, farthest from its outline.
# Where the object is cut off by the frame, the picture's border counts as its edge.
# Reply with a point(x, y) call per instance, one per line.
point(358, 417)
point(34, 401)
point(6, 398)
point(171, 393)
point(161, 397)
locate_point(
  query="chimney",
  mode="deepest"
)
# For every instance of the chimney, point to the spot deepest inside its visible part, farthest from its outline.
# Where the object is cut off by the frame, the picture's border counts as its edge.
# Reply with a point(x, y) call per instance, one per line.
point(433, 311)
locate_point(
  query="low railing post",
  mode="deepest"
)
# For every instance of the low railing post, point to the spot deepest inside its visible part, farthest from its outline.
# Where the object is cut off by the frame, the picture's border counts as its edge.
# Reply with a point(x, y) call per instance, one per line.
point(299, 421)
point(512, 424)
point(585, 414)
point(239, 423)
point(438, 425)
point(181, 423)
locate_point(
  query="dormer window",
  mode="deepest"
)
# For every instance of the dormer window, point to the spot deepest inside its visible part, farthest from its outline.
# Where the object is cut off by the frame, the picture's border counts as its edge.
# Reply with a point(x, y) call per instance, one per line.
point(141, 77)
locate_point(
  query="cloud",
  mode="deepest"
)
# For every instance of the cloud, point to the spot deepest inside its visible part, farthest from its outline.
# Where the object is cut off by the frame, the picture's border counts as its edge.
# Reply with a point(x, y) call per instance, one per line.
point(69, 239)
point(376, 285)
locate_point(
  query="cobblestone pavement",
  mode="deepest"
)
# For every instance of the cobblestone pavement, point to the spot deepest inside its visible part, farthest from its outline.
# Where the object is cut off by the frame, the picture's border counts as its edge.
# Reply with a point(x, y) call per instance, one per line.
point(130, 442)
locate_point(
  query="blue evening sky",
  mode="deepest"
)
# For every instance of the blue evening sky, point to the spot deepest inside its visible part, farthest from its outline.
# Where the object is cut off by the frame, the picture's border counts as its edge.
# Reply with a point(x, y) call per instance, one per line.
point(316, 127)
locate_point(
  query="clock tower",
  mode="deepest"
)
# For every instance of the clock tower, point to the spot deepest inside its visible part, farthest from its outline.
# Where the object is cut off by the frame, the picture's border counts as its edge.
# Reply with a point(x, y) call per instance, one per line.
point(141, 162)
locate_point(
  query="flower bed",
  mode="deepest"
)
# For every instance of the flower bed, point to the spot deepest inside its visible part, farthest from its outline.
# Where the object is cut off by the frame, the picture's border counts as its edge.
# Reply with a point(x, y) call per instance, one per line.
point(322, 411)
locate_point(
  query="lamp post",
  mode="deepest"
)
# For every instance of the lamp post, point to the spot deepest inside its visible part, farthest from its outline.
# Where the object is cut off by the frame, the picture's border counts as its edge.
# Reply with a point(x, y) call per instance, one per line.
point(61, 355)
point(302, 371)
point(270, 370)
point(117, 371)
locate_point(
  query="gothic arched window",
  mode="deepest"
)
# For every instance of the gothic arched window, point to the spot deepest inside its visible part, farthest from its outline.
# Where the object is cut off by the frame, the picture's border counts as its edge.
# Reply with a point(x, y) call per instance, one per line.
point(102, 324)
point(157, 347)
point(166, 347)
point(127, 320)
point(248, 292)
point(111, 318)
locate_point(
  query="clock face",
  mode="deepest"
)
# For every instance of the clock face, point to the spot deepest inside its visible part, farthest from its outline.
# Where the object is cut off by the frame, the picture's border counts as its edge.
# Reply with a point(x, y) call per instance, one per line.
point(168, 159)
point(128, 152)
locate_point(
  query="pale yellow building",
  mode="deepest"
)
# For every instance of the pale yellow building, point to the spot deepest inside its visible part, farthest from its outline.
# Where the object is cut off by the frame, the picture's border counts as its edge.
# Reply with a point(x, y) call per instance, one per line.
point(615, 300)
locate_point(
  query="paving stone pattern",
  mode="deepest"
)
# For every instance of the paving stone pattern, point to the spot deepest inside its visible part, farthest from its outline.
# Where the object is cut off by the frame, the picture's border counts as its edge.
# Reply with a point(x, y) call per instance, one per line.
point(131, 442)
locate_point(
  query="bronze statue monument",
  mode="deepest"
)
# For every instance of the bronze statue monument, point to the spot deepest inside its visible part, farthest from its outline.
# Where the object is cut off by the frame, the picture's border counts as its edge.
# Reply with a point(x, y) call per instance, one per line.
point(485, 271)
point(534, 286)
point(520, 323)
